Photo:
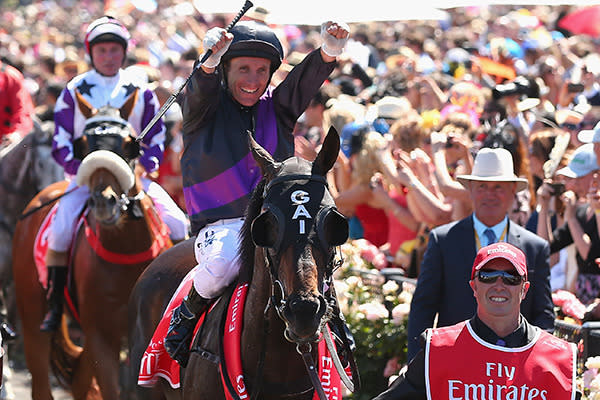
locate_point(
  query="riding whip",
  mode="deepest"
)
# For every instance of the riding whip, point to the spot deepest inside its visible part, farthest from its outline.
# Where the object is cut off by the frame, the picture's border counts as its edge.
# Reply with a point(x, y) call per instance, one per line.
point(247, 5)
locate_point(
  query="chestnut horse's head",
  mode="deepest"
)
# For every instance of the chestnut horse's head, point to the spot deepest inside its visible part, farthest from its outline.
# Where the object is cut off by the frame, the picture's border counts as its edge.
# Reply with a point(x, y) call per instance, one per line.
point(107, 128)
point(107, 148)
point(298, 229)
point(110, 180)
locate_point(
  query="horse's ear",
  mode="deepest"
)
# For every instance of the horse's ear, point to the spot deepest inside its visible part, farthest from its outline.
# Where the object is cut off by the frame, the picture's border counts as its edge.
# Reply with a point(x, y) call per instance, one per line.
point(127, 107)
point(87, 110)
point(328, 154)
point(262, 157)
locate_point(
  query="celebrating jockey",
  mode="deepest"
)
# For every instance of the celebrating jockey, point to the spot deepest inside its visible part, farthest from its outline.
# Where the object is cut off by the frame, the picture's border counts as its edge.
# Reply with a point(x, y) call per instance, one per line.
point(229, 96)
point(107, 83)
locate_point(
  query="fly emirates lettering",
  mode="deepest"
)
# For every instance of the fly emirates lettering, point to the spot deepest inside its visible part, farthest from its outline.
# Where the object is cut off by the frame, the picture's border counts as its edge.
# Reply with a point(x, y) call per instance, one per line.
point(459, 390)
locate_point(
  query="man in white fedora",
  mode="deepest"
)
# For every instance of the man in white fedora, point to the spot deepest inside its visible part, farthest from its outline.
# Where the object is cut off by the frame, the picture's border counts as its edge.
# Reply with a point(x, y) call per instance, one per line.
point(443, 282)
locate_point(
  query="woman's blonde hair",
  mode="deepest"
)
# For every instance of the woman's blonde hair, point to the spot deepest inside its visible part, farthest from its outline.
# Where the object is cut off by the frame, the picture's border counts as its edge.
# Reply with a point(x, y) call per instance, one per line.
point(367, 161)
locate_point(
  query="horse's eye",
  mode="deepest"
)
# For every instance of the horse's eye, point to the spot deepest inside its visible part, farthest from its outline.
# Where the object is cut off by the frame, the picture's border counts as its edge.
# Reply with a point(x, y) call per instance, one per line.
point(265, 230)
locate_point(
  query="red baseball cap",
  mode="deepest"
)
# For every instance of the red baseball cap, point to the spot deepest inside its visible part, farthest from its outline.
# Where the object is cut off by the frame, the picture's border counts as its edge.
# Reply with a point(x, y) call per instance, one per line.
point(500, 250)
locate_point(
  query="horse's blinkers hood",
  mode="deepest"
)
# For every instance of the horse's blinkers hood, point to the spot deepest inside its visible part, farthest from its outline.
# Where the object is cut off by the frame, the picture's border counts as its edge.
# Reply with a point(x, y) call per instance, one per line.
point(297, 203)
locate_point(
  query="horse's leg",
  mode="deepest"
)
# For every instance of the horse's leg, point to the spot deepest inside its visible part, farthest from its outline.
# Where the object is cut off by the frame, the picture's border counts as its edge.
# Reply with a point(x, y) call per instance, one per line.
point(106, 353)
point(30, 305)
point(84, 386)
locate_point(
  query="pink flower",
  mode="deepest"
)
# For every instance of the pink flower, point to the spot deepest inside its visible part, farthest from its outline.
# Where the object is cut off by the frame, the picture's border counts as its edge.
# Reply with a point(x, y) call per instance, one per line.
point(373, 311)
point(371, 253)
point(400, 312)
point(391, 367)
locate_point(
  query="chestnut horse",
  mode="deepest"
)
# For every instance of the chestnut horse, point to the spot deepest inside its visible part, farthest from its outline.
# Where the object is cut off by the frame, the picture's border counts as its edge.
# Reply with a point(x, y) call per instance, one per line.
point(120, 234)
point(288, 254)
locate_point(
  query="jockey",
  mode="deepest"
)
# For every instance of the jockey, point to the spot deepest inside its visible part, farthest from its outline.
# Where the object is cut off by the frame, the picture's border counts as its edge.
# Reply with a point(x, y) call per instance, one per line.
point(229, 96)
point(107, 83)
point(16, 106)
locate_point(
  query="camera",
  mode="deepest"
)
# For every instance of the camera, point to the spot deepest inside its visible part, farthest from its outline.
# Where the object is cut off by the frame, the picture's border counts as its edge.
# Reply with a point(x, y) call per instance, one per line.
point(575, 87)
point(520, 86)
point(558, 188)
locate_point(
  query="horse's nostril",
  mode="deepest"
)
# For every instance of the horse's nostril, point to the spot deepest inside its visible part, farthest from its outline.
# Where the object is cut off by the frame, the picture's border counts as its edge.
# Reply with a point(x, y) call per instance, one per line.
point(304, 306)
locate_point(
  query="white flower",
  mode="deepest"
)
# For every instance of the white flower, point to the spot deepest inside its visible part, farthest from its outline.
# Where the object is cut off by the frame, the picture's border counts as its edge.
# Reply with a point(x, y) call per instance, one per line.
point(405, 297)
point(353, 282)
point(595, 384)
point(390, 287)
point(592, 362)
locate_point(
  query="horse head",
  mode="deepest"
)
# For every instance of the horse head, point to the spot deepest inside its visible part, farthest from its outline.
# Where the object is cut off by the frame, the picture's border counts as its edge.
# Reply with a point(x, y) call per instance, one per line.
point(298, 228)
point(110, 180)
point(107, 128)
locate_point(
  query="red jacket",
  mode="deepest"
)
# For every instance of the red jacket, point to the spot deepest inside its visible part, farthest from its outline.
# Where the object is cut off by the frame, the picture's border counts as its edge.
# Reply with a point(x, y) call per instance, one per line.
point(16, 106)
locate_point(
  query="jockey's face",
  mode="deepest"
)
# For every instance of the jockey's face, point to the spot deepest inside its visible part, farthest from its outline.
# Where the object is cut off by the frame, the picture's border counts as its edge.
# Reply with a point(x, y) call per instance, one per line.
point(248, 78)
point(108, 57)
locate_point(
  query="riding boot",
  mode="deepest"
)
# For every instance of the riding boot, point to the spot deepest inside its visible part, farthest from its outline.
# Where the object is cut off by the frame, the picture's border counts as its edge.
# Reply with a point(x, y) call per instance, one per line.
point(57, 278)
point(181, 328)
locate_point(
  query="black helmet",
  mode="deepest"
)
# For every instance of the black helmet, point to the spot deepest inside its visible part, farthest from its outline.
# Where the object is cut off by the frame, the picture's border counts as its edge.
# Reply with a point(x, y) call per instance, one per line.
point(253, 39)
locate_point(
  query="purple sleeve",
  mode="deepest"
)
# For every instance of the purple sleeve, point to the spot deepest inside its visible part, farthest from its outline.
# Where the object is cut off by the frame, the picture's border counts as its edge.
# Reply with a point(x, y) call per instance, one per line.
point(62, 141)
point(153, 143)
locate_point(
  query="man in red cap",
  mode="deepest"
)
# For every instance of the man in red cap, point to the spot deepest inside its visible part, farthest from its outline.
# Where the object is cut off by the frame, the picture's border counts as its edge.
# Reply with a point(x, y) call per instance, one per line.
point(501, 354)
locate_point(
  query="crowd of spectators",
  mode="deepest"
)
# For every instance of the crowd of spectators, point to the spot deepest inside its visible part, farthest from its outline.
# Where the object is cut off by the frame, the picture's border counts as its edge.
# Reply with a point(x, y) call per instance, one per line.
point(414, 101)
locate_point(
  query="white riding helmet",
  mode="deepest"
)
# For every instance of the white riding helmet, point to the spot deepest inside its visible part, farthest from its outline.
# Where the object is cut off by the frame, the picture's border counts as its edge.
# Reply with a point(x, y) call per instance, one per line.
point(106, 29)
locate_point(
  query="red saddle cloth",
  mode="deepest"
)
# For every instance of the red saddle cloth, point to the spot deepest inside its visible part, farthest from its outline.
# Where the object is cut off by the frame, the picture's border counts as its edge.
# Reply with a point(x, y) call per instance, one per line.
point(156, 363)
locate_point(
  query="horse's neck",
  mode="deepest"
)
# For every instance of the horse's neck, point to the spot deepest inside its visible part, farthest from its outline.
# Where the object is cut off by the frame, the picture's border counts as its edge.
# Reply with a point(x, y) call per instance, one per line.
point(15, 190)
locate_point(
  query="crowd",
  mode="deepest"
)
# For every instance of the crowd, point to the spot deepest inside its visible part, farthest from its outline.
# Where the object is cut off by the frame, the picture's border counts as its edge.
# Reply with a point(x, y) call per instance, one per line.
point(416, 103)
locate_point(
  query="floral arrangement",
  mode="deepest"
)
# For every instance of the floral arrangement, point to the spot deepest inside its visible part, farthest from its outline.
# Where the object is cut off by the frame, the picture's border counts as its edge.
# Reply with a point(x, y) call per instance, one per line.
point(376, 312)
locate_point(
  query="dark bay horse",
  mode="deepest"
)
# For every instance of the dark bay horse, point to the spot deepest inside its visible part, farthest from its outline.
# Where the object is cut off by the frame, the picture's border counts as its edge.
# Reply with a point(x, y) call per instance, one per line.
point(26, 168)
point(120, 234)
point(287, 253)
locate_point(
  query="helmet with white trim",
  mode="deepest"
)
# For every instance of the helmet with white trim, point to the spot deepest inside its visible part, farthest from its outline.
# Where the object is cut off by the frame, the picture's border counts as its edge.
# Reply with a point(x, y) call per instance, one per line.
point(106, 29)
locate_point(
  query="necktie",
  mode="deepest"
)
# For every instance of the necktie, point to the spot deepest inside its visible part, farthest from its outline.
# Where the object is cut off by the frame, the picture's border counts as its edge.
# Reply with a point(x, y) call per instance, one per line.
point(490, 235)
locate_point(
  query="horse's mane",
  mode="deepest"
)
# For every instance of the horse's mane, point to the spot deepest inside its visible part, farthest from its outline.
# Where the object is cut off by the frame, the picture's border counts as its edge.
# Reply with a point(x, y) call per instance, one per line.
point(247, 247)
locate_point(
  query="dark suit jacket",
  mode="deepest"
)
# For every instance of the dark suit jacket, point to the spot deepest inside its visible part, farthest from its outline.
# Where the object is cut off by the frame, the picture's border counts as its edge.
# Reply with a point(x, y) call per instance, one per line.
point(443, 281)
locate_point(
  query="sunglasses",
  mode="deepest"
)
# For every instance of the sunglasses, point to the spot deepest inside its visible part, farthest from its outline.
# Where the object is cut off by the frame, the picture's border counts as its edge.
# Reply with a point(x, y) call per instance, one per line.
point(489, 277)
point(570, 127)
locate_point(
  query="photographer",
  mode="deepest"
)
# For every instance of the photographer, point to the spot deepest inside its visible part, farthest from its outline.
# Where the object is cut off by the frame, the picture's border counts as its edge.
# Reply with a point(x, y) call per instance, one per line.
point(580, 226)
point(518, 97)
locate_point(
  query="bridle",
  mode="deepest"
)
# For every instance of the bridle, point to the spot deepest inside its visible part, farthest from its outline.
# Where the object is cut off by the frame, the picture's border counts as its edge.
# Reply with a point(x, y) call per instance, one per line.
point(278, 299)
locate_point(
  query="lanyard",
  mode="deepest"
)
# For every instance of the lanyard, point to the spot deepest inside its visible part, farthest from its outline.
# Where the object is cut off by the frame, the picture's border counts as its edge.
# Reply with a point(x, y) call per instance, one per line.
point(478, 242)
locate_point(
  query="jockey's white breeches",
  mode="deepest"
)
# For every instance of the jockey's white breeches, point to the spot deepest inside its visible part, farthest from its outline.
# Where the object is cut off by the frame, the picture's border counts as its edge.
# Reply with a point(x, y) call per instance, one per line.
point(216, 251)
point(71, 205)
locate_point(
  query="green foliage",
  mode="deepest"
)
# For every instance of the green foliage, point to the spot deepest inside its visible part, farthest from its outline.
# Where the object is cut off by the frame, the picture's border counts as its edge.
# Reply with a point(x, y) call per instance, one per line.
point(376, 312)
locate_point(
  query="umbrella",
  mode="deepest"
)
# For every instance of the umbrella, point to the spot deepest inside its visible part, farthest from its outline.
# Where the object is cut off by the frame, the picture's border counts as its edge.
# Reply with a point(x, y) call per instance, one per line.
point(584, 21)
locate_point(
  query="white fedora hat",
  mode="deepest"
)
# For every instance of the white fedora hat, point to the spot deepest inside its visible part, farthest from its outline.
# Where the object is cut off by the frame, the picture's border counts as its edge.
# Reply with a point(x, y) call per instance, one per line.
point(493, 165)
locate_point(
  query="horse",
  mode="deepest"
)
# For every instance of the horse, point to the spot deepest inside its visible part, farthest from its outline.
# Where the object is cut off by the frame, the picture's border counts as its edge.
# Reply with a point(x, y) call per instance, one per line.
point(119, 234)
point(26, 167)
point(288, 254)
